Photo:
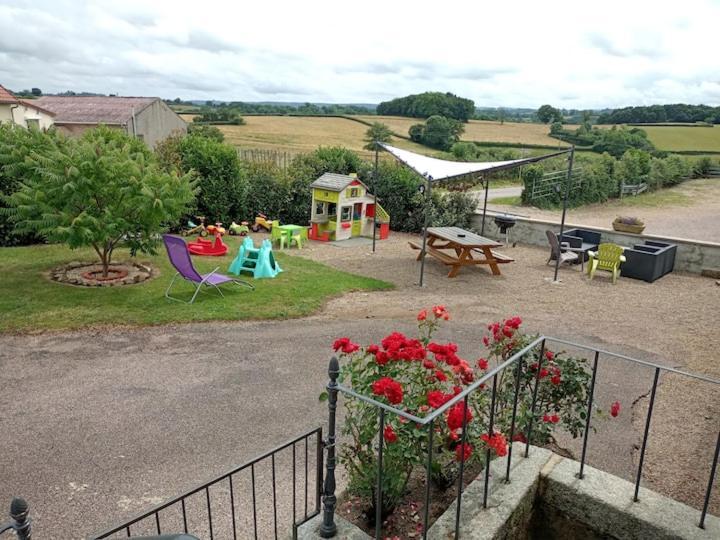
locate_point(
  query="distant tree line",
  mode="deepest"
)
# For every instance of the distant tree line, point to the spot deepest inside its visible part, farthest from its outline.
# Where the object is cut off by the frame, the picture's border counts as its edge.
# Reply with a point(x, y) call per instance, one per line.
point(679, 112)
point(241, 107)
point(429, 104)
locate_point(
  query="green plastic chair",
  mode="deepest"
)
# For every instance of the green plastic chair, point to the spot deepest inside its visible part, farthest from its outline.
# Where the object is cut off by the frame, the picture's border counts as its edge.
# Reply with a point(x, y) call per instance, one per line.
point(608, 257)
point(299, 236)
point(278, 235)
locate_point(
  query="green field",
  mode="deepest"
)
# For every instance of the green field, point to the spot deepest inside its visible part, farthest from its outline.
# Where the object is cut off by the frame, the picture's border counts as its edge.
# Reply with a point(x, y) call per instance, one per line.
point(684, 138)
point(29, 301)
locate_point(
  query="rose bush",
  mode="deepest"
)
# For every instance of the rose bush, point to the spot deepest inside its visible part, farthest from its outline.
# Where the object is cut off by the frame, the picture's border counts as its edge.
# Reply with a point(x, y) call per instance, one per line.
point(418, 375)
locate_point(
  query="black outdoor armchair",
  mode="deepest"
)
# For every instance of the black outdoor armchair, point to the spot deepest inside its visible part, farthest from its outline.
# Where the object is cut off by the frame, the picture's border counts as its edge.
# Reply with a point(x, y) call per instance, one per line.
point(649, 261)
point(581, 241)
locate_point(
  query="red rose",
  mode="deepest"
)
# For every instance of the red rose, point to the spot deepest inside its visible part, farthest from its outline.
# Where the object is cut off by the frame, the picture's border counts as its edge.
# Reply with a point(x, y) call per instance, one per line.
point(439, 311)
point(440, 376)
point(347, 346)
point(555, 379)
point(496, 442)
point(514, 322)
point(381, 358)
point(436, 399)
point(422, 315)
point(520, 437)
point(389, 388)
point(554, 418)
point(428, 364)
point(482, 363)
point(455, 416)
point(389, 434)
point(463, 451)
point(615, 409)
point(373, 349)
point(507, 331)
point(549, 355)
point(543, 373)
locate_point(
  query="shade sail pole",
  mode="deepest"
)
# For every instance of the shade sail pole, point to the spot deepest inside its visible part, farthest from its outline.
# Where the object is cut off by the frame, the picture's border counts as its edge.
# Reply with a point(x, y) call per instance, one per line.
point(374, 188)
point(427, 223)
point(562, 221)
point(487, 187)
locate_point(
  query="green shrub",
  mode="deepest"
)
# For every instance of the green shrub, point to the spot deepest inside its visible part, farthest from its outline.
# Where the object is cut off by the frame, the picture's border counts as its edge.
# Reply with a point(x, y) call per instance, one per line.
point(222, 186)
point(204, 130)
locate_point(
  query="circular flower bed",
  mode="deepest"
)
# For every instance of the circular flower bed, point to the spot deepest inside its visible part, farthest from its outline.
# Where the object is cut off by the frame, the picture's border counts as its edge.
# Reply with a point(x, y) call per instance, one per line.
point(86, 274)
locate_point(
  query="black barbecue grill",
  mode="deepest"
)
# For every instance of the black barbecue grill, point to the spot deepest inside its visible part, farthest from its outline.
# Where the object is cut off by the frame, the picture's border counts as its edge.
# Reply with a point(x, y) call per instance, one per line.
point(505, 222)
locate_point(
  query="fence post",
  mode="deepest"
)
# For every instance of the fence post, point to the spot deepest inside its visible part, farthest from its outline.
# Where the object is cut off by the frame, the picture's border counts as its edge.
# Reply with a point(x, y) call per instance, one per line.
point(19, 521)
point(328, 529)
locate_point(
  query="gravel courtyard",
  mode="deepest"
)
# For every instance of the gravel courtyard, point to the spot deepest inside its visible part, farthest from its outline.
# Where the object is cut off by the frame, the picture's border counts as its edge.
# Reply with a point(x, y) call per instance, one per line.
point(100, 424)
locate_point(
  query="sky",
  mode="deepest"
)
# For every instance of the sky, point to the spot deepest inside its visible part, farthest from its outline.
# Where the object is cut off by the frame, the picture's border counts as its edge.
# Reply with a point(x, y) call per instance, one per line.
point(570, 54)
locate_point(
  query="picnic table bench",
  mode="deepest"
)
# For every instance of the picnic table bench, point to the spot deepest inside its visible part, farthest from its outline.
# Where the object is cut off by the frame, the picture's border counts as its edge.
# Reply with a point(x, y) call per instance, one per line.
point(456, 247)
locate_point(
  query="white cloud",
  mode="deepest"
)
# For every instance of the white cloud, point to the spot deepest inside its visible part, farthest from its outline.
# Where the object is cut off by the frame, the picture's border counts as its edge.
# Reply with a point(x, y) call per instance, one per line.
point(500, 54)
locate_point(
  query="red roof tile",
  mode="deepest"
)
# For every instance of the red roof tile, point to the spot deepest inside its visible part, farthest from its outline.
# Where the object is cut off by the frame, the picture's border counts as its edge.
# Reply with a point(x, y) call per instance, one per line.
point(6, 96)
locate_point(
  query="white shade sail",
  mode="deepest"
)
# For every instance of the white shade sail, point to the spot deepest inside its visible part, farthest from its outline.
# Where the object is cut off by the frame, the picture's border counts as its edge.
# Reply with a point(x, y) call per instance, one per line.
point(434, 169)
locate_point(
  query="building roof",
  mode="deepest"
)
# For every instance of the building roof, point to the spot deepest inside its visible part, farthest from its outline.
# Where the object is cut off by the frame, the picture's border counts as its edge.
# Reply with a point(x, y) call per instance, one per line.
point(334, 182)
point(6, 96)
point(94, 109)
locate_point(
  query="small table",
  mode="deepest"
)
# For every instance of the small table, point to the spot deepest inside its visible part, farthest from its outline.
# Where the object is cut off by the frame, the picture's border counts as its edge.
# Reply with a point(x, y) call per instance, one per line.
point(456, 247)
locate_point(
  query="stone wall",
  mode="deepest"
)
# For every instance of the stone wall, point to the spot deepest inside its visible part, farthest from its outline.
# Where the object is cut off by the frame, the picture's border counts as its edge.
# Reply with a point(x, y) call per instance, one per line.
point(692, 255)
point(546, 499)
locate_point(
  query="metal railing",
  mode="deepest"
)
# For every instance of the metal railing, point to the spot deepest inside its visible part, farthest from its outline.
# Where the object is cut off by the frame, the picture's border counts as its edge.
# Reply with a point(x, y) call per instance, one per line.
point(328, 528)
point(194, 512)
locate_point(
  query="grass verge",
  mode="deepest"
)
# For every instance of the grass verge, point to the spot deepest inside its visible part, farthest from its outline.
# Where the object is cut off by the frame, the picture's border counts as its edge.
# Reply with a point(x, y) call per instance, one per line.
point(29, 301)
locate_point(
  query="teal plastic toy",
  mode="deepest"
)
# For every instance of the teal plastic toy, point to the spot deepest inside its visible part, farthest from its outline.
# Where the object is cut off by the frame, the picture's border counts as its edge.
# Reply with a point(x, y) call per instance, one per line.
point(259, 262)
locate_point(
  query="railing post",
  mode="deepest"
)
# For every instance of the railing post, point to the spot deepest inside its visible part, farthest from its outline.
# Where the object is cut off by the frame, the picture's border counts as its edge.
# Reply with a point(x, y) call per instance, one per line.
point(591, 393)
point(534, 400)
point(713, 468)
point(19, 520)
point(328, 529)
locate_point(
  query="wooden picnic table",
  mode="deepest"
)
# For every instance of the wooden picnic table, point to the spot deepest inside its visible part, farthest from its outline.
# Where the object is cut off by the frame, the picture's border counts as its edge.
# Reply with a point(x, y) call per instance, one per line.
point(457, 247)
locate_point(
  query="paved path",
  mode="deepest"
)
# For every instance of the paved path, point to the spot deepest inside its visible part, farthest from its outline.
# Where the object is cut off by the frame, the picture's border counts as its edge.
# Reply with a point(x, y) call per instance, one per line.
point(101, 425)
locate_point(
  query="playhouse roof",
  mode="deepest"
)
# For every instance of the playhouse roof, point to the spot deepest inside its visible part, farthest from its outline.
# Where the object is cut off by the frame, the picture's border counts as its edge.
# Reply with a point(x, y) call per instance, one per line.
point(335, 182)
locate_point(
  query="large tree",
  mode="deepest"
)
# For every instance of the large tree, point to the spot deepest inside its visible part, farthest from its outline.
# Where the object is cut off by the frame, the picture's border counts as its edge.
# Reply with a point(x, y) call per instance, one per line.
point(437, 132)
point(100, 190)
point(548, 113)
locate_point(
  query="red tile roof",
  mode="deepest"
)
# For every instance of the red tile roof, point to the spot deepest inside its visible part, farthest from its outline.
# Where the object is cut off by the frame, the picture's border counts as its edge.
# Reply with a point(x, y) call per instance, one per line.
point(6, 96)
point(94, 109)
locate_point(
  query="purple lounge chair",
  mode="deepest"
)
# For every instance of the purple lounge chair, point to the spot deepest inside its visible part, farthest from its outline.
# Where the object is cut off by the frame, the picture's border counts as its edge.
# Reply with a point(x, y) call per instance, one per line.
point(179, 255)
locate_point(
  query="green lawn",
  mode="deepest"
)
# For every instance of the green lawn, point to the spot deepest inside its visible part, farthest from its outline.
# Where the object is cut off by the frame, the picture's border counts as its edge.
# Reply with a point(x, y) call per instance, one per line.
point(513, 200)
point(30, 301)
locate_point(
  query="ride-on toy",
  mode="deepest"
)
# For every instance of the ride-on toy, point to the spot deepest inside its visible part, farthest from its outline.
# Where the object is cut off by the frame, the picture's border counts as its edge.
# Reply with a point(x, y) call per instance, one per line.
point(195, 228)
point(240, 230)
point(216, 229)
point(262, 222)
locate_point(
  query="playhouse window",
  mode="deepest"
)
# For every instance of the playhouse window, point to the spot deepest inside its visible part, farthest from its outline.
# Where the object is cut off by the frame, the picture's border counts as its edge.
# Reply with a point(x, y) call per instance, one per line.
point(332, 209)
point(320, 208)
point(346, 214)
point(354, 192)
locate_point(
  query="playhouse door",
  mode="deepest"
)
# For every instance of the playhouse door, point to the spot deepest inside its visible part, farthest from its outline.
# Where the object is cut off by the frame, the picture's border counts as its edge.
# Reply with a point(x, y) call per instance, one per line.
point(357, 219)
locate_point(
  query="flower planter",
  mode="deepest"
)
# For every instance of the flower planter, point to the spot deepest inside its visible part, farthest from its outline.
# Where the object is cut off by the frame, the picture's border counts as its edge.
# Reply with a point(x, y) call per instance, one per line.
point(626, 227)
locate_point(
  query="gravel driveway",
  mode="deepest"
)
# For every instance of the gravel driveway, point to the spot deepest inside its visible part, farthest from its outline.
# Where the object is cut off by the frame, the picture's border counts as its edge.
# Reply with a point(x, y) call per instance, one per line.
point(99, 425)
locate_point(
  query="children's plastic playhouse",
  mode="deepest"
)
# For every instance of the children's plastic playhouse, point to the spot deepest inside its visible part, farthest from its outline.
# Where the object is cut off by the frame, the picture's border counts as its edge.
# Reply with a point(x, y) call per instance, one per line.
point(259, 262)
point(343, 208)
